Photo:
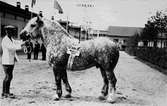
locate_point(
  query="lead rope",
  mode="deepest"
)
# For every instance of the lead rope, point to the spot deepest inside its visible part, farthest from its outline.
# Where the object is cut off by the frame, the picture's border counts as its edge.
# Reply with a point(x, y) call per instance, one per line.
point(26, 50)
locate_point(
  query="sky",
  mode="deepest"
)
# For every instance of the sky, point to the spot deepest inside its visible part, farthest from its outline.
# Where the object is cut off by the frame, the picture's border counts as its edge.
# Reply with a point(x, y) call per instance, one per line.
point(104, 13)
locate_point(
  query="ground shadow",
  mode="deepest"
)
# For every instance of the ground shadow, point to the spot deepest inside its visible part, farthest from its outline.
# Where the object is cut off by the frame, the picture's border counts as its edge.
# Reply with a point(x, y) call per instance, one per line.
point(119, 100)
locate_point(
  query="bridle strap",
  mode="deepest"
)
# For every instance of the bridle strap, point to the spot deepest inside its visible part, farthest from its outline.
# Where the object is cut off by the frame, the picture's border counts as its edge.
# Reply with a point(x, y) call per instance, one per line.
point(25, 48)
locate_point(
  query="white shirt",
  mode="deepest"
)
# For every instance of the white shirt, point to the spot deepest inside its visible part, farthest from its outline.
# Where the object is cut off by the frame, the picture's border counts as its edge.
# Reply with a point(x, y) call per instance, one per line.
point(9, 50)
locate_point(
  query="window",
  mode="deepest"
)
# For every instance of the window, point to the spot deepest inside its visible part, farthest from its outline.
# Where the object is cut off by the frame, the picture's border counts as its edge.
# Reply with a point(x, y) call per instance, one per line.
point(124, 41)
point(116, 40)
point(2, 31)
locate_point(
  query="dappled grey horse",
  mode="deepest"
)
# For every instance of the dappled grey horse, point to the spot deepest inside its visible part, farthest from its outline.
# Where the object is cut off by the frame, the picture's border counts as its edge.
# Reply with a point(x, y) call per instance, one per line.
point(100, 52)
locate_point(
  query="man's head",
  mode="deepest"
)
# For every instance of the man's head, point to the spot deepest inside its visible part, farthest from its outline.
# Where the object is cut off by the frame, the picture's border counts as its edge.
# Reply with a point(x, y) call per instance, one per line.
point(9, 29)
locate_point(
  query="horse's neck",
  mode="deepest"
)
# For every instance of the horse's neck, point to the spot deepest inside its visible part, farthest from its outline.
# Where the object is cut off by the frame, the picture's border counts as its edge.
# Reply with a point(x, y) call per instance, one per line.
point(52, 36)
point(54, 33)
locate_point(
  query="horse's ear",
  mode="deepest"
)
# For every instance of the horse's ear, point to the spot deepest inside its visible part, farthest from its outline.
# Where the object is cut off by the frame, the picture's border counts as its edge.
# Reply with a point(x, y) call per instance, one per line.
point(39, 21)
point(38, 18)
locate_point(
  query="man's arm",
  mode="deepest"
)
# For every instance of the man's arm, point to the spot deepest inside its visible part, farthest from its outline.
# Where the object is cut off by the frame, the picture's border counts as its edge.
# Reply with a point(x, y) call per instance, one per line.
point(16, 59)
point(11, 46)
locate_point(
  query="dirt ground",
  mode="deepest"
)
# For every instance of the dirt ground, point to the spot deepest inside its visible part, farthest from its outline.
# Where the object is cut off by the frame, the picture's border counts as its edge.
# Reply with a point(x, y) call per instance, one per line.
point(138, 85)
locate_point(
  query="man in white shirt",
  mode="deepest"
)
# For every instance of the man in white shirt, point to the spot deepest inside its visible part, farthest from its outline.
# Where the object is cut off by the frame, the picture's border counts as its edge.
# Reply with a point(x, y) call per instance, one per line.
point(9, 57)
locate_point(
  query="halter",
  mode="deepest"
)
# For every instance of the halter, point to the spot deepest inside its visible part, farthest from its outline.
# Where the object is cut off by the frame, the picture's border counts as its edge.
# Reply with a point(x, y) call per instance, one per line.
point(25, 48)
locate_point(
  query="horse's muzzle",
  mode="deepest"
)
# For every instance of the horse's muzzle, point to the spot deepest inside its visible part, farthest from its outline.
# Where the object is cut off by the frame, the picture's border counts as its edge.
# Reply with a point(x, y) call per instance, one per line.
point(24, 35)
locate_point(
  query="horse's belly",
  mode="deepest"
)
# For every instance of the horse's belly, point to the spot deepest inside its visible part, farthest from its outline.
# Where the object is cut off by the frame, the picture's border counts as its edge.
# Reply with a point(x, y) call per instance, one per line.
point(81, 63)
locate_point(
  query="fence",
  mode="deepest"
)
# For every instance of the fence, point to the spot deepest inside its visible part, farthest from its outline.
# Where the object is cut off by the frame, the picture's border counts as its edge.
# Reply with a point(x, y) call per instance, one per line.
point(154, 55)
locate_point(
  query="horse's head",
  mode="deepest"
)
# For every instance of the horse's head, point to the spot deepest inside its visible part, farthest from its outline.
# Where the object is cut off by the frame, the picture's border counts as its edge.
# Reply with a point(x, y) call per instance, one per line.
point(32, 29)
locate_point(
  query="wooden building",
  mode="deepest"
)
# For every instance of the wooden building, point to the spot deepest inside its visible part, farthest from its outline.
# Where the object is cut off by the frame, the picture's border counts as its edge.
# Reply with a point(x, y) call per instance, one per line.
point(118, 34)
point(74, 30)
point(13, 15)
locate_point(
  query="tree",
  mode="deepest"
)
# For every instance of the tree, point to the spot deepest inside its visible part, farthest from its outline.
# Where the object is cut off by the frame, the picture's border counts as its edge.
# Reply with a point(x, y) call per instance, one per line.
point(133, 40)
point(155, 25)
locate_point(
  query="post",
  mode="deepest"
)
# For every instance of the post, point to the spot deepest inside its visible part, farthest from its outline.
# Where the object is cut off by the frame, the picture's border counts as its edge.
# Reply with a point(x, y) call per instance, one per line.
point(79, 34)
point(87, 34)
point(85, 6)
point(67, 25)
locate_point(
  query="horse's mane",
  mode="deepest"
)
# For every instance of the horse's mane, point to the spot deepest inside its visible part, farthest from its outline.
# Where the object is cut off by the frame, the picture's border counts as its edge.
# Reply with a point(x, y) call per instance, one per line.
point(56, 26)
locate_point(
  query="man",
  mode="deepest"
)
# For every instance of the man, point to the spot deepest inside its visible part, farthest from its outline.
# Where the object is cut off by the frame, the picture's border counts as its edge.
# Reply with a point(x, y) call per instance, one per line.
point(43, 49)
point(9, 57)
point(36, 50)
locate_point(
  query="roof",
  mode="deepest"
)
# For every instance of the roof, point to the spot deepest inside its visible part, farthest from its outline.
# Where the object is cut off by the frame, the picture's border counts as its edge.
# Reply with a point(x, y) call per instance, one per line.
point(5, 7)
point(123, 31)
point(77, 28)
point(104, 32)
point(9, 27)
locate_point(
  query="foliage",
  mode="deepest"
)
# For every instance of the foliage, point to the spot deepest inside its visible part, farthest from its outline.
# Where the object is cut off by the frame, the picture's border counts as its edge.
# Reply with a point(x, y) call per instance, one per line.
point(155, 25)
point(156, 56)
point(132, 43)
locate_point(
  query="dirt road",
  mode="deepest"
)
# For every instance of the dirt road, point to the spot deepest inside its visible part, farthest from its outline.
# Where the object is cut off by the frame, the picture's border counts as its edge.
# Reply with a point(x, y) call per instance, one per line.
point(138, 85)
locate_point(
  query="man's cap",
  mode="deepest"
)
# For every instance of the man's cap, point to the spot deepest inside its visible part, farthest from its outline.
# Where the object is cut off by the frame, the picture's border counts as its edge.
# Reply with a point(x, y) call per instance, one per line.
point(10, 27)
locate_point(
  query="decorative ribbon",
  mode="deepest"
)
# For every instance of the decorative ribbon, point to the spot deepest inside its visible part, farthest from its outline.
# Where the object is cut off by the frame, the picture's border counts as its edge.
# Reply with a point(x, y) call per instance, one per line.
point(73, 52)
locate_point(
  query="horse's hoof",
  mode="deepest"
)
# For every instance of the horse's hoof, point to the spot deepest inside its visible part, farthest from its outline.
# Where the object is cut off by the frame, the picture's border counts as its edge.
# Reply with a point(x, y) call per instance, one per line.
point(111, 99)
point(101, 97)
point(68, 96)
point(59, 93)
point(56, 97)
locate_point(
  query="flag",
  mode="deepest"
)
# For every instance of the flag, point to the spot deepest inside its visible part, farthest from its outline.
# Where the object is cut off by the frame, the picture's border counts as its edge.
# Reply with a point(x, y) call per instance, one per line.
point(33, 3)
point(58, 7)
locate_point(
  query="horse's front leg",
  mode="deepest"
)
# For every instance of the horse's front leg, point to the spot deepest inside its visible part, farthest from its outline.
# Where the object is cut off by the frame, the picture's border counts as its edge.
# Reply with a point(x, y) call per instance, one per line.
point(66, 83)
point(57, 74)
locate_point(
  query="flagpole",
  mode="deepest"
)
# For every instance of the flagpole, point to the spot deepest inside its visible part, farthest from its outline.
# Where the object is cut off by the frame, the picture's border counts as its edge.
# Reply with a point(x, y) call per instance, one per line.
point(67, 26)
point(31, 11)
point(33, 2)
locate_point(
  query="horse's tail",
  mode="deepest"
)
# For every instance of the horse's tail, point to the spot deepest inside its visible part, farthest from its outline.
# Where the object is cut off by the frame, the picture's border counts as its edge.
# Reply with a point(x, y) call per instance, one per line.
point(115, 58)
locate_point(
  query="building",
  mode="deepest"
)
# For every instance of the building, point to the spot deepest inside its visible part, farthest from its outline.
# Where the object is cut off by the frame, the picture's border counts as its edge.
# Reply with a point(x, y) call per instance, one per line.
point(118, 34)
point(13, 15)
point(74, 30)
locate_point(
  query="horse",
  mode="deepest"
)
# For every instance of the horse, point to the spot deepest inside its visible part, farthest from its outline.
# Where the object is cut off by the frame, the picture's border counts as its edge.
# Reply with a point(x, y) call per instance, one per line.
point(100, 52)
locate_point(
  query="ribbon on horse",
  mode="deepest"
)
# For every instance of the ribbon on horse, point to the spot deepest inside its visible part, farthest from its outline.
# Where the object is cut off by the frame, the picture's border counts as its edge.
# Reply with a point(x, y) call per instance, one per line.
point(73, 52)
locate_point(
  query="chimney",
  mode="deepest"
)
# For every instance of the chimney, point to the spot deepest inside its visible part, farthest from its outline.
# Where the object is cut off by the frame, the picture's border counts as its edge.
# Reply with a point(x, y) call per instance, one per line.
point(18, 4)
point(26, 8)
point(40, 13)
point(52, 18)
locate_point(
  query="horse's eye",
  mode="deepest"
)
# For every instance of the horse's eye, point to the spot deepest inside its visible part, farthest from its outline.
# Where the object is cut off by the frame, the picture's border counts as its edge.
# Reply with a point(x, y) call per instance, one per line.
point(33, 25)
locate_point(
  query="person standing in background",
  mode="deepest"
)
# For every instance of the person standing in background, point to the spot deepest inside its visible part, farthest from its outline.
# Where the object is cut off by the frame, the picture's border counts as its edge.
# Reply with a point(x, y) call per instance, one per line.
point(43, 49)
point(36, 50)
point(9, 57)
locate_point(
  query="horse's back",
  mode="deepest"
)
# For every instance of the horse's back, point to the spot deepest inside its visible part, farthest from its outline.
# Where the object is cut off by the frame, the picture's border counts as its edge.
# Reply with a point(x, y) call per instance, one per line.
point(99, 50)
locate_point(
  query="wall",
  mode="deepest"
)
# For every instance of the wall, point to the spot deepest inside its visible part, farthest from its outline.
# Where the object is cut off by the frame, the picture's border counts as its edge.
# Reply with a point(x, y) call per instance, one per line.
point(11, 20)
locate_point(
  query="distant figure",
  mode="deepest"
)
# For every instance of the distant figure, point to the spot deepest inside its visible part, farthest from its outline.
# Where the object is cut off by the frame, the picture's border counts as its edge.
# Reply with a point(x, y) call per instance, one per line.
point(36, 50)
point(29, 46)
point(43, 49)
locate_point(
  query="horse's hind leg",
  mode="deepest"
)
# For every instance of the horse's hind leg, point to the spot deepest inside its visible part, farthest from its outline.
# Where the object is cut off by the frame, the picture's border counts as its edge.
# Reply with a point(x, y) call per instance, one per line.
point(112, 86)
point(105, 86)
point(57, 74)
point(66, 83)
point(112, 79)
